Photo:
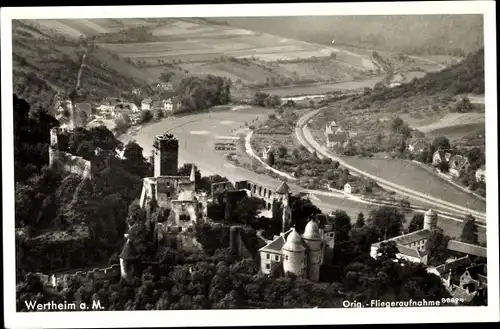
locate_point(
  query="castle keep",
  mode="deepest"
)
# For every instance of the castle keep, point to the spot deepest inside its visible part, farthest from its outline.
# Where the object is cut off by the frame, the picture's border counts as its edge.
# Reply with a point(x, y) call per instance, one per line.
point(175, 197)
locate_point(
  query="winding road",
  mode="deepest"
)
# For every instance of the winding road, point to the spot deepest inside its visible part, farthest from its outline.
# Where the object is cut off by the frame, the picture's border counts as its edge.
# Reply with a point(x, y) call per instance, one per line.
point(197, 133)
point(307, 140)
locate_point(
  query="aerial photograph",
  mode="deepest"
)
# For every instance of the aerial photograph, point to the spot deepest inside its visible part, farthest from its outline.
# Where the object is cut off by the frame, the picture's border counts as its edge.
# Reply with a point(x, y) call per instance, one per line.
point(278, 162)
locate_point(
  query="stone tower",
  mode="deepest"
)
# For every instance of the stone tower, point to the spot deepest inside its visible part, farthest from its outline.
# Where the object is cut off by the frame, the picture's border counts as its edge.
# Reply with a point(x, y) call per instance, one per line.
point(128, 259)
point(430, 220)
point(283, 196)
point(166, 155)
point(294, 254)
point(313, 239)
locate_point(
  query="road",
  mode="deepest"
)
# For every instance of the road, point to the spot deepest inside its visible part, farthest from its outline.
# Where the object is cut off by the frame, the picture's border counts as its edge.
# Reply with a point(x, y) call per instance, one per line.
point(306, 139)
point(196, 134)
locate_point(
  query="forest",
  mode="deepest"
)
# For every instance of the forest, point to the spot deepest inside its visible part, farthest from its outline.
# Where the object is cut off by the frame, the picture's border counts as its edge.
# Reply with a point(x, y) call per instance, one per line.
point(216, 278)
point(197, 94)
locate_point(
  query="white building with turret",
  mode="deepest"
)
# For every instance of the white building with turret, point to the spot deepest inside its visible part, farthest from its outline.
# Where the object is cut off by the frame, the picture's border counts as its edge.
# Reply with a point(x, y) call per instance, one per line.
point(302, 255)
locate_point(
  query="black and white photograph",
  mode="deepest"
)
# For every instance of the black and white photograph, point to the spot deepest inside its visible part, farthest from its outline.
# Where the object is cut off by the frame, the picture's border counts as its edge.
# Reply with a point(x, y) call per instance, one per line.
point(250, 164)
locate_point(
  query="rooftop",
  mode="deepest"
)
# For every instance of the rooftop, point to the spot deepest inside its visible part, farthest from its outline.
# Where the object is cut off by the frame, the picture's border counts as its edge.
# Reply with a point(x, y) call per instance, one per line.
point(454, 265)
point(283, 188)
point(412, 252)
point(129, 251)
point(339, 137)
point(467, 248)
point(408, 238)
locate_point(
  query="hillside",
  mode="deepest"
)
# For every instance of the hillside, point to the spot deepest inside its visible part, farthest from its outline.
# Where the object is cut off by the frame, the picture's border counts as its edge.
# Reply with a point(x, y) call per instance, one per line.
point(46, 63)
point(464, 77)
point(418, 34)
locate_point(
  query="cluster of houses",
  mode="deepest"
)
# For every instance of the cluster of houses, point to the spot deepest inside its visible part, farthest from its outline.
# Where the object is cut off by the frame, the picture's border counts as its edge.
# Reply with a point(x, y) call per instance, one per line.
point(458, 164)
point(463, 274)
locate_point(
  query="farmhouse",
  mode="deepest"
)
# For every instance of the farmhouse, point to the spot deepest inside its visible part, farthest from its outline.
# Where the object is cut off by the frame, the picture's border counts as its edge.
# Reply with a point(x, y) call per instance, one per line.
point(481, 174)
point(352, 187)
point(441, 156)
point(458, 165)
point(417, 146)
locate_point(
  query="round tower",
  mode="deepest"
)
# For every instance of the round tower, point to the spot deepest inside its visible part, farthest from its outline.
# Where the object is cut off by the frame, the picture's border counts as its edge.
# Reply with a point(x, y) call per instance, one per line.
point(294, 254)
point(313, 239)
point(430, 220)
point(128, 258)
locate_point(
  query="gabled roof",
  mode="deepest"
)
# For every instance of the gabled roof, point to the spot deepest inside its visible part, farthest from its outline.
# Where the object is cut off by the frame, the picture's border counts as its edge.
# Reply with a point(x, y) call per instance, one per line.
point(467, 248)
point(442, 153)
point(340, 137)
point(407, 251)
point(460, 161)
point(129, 251)
point(354, 184)
point(477, 270)
point(276, 245)
point(462, 294)
point(455, 265)
point(283, 188)
point(147, 100)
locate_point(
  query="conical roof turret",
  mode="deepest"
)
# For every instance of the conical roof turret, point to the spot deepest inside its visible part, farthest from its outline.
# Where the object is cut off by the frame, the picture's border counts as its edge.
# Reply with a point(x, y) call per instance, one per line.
point(311, 231)
point(192, 176)
point(283, 188)
point(129, 251)
point(294, 242)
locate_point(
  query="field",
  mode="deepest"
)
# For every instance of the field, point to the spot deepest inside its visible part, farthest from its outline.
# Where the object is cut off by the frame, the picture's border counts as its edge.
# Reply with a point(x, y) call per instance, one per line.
point(416, 178)
point(452, 125)
point(317, 89)
point(89, 27)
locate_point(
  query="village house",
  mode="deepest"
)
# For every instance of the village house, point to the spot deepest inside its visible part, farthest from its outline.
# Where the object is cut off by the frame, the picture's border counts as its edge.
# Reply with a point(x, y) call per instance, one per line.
point(165, 105)
point(146, 104)
point(458, 165)
point(481, 174)
point(417, 146)
point(462, 279)
point(335, 136)
point(441, 156)
point(122, 109)
point(352, 187)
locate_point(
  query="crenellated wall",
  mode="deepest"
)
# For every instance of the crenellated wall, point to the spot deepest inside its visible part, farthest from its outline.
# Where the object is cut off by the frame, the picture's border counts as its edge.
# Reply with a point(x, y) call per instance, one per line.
point(57, 280)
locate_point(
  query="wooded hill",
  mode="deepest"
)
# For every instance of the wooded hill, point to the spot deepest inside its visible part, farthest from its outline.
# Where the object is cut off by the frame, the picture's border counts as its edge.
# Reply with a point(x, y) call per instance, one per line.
point(461, 78)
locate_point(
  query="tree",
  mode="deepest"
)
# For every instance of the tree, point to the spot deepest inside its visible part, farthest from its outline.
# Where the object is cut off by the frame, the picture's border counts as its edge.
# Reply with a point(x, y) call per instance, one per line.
point(443, 166)
point(440, 142)
point(469, 231)
point(146, 116)
point(388, 250)
point(282, 151)
point(360, 222)
point(341, 225)
point(396, 124)
point(387, 222)
point(437, 247)
point(270, 159)
point(416, 223)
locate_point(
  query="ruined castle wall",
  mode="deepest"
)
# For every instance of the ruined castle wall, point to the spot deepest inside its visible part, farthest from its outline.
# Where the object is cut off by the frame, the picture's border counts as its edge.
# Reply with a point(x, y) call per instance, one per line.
point(70, 163)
